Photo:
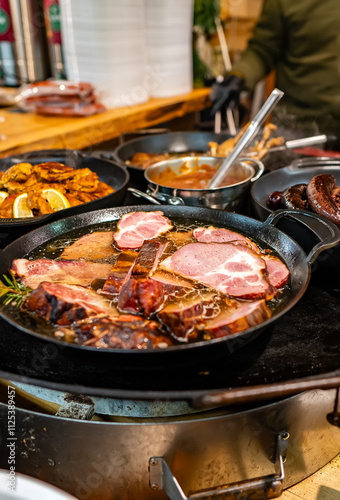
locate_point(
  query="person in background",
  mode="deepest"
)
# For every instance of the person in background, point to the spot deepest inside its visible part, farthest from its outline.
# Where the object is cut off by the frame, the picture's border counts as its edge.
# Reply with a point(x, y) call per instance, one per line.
point(300, 40)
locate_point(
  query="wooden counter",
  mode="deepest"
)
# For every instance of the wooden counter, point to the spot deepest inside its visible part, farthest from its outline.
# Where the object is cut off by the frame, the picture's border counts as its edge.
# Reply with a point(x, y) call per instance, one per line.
point(21, 132)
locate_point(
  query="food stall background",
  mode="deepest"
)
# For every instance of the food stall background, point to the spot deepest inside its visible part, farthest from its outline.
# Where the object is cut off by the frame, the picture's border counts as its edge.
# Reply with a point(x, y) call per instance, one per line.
point(129, 50)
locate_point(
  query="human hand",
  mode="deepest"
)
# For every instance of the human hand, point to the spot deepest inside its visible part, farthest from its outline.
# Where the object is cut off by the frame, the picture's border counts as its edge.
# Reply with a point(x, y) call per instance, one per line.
point(226, 93)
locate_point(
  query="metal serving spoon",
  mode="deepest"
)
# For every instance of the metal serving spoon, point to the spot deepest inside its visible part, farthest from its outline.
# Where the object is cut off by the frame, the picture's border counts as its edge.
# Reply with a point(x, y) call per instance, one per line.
point(246, 138)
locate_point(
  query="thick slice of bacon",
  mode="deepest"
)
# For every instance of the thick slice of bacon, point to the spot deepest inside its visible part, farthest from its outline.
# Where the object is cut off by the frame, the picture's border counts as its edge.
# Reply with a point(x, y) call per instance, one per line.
point(119, 273)
point(231, 268)
point(214, 235)
point(64, 304)
point(93, 246)
point(136, 227)
point(70, 272)
point(278, 272)
point(148, 258)
point(140, 294)
point(118, 332)
point(239, 317)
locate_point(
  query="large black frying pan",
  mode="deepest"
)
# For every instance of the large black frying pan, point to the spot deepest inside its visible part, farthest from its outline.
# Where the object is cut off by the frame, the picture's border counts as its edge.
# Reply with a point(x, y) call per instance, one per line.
point(109, 172)
point(172, 142)
point(103, 367)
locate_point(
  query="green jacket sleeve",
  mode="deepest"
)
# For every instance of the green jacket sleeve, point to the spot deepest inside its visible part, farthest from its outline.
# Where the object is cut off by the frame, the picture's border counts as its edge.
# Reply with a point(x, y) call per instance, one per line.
point(265, 46)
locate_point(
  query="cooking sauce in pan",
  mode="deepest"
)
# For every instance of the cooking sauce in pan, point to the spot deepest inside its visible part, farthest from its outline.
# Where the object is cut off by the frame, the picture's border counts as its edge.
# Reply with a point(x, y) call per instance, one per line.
point(196, 177)
point(54, 248)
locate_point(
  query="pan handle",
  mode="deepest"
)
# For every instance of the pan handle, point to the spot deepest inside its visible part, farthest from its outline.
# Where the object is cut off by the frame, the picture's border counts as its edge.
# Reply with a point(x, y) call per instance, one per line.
point(107, 156)
point(157, 198)
point(327, 232)
point(265, 487)
point(259, 165)
point(141, 194)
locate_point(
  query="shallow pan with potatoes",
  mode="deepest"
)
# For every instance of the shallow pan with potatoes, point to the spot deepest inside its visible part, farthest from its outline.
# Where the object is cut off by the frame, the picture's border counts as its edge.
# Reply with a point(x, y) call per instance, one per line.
point(111, 173)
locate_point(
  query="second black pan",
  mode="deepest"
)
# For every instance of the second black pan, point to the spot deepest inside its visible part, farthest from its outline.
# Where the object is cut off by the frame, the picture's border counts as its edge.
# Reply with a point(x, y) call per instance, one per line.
point(172, 142)
point(300, 171)
point(134, 362)
point(109, 172)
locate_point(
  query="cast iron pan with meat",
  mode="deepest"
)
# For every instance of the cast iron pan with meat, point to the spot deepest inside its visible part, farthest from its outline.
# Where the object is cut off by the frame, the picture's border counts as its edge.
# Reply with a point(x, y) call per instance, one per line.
point(152, 363)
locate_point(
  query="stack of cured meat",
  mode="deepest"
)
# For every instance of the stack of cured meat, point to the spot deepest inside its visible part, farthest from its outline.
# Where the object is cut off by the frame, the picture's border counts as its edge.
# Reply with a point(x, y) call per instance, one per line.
point(59, 97)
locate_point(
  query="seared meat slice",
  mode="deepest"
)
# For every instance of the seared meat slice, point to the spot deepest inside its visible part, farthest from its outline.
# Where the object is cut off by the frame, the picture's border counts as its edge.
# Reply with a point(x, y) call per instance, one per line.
point(278, 272)
point(171, 282)
point(214, 235)
point(93, 246)
point(70, 272)
point(119, 273)
point(185, 319)
point(64, 304)
point(237, 318)
point(136, 227)
point(118, 332)
point(148, 258)
point(141, 296)
point(231, 268)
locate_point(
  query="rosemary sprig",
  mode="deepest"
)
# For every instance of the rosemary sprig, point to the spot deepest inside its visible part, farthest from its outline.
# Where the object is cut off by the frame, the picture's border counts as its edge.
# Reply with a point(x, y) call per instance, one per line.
point(15, 292)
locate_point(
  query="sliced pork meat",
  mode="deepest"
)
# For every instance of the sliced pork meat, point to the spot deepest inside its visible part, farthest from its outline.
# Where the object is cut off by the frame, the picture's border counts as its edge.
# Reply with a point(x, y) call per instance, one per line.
point(141, 296)
point(93, 246)
point(69, 272)
point(118, 332)
point(64, 304)
point(278, 272)
point(119, 273)
point(214, 235)
point(184, 320)
point(231, 268)
point(136, 227)
point(239, 317)
point(171, 282)
point(148, 258)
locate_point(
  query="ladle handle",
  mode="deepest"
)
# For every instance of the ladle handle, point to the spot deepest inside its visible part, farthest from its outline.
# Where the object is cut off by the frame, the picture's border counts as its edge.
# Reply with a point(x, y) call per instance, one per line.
point(247, 137)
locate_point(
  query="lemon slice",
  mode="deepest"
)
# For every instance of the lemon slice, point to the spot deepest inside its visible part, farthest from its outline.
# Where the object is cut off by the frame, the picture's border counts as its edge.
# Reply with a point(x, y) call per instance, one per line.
point(3, 195)
point(56, 199)
point(20, 207)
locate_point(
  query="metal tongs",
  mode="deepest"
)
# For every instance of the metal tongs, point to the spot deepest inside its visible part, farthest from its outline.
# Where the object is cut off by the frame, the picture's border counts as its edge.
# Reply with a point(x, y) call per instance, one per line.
point(247, 137)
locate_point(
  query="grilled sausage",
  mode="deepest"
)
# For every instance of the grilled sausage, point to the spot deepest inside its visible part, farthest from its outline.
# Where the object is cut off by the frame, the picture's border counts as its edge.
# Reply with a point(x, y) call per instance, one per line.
point(274, 200)
point(319, 194)
point(294, 197)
